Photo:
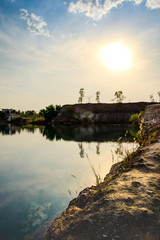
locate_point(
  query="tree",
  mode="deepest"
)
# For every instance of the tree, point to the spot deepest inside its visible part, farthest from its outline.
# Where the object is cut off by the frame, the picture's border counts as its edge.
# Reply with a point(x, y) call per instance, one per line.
point(3, 116)
point(152, 98)
point(98, 148)
point(29, 113)
point(80, 145)
point(50, 112)
point(81, 92)
point(89, 98)
point(158, 95)
point(97, 97)
point(119, 97)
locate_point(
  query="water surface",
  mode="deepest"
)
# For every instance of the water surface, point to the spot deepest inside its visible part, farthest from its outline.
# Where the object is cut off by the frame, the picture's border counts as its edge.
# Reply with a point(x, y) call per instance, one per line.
point(42, 169)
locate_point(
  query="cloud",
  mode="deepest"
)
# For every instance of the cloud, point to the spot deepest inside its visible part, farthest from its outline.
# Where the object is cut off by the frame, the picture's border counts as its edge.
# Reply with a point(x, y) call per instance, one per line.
point(97, 8)
point(153, 4)
point(35, 23)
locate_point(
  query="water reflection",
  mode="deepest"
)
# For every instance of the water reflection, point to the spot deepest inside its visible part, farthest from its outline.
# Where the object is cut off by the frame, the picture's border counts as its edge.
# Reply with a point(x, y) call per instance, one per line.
point(36, 175)
point(95, 133)
point(102, 133)
point(81, 153)
point(98, 148)
point(11, 129)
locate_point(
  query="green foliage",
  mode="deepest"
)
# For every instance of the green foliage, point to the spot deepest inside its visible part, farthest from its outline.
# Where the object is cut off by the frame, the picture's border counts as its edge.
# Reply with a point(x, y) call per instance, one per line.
point(50, 112)
point(18, 121)
point(30, 113)
point(133, 132)
point(68, 111)
point(136, 118)
point(49, 133)
point(147, 134)
point(141, 114)
point(158, 95)
point(81, 92)
point(152, 98)
point(97, 97)
point(3, 116)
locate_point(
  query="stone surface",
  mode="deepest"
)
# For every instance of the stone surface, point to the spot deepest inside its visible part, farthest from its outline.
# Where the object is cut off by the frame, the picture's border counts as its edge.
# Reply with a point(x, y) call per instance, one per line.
point(152, 114)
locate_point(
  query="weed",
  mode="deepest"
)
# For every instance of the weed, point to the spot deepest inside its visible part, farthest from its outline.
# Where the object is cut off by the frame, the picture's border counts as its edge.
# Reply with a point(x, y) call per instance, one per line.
point(109, 189)
point(147, 134)
point(79, 185)
point(144, 137)
point(70, 193)
point(97, 176)
point(136, 118)
point(124, 153)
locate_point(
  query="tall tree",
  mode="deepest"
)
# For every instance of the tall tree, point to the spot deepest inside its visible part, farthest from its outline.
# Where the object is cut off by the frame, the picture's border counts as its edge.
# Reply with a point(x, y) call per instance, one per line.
point(97, 97)
point(81, 92)
point(151, 98)
point(50, 112)
point(158, 95)
point(119, 97)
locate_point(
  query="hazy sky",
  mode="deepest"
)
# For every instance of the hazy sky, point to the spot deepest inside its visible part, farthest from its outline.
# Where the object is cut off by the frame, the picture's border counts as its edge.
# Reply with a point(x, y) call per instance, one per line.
point(49, 49)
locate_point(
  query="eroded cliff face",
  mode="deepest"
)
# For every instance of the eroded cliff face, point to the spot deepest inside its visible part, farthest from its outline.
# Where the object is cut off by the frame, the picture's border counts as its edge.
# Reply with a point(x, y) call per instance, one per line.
point(152, 114)
point(99, 113)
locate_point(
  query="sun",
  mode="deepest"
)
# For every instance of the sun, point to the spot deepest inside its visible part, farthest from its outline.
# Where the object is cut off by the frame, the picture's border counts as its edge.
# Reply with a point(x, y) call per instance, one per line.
point(116, 57)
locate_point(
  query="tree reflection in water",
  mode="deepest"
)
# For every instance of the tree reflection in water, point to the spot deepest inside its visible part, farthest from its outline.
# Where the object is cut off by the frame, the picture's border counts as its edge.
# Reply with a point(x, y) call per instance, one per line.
point(80, 134)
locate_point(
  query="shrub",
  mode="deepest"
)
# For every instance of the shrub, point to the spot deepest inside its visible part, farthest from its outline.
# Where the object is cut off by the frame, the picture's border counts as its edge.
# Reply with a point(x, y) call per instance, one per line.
point(50, 112)
point(136, 118)
point(3, 116)
point(68, 111)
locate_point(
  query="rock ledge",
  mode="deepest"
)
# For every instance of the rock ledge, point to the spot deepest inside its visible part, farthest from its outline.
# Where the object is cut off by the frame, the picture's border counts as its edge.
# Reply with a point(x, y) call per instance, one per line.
point(126, 208)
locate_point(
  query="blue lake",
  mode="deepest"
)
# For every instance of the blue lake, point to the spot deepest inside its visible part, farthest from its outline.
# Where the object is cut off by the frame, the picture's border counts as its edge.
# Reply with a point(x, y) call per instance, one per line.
point(42, 169)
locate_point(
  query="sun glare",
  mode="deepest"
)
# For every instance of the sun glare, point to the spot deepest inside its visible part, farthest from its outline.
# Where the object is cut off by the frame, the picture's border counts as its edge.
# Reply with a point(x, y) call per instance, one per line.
point(116, 57)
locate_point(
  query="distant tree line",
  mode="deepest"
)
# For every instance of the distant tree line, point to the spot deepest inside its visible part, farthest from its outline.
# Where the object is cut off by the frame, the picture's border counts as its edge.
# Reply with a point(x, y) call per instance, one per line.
point(30, 116)
point(118, 97)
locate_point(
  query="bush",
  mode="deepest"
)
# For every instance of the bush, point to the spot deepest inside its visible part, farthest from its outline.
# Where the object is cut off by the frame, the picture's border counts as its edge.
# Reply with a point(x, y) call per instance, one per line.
point(3, 116)
point(136, 118)
point(50, 112)
point(68, 111)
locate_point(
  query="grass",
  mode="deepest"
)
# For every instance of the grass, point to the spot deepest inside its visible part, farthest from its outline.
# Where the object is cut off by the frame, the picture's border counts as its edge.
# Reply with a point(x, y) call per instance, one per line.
point(145, 136)
point(97, 175)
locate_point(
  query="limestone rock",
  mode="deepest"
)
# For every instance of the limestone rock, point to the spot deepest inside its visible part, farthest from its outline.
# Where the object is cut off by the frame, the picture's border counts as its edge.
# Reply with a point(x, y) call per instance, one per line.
point(152, 114)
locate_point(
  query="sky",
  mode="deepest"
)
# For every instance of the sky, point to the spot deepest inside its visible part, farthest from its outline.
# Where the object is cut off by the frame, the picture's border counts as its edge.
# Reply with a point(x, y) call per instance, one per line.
point(50, 49)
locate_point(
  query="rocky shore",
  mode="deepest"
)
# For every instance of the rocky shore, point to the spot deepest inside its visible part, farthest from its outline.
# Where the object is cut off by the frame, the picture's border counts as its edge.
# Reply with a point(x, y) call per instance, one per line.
point(126, 206)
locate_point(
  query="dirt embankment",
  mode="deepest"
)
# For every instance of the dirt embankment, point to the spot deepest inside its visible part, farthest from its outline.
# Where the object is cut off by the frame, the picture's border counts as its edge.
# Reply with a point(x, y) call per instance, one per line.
point(98, 113)
point(126, 208)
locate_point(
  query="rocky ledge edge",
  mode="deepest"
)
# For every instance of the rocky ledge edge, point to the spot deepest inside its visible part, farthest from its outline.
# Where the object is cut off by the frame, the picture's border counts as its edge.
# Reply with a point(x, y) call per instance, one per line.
point(126, 206)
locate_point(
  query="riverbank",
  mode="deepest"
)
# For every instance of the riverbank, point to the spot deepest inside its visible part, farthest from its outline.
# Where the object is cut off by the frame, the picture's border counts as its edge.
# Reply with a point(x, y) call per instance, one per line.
point(75, 114)
point(125, 206)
